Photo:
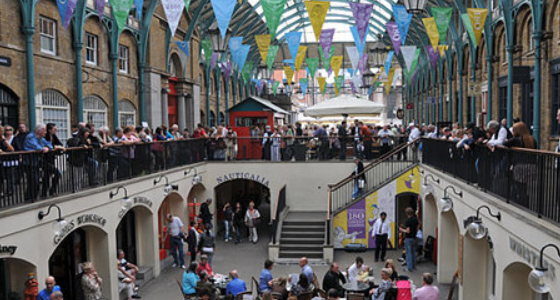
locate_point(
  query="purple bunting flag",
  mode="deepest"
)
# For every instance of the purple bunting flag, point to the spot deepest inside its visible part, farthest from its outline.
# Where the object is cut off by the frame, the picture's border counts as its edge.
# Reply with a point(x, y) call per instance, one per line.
point(100, 7)
point(214, 60)
point(325, 39)
point(362, 63)
point(362, 13)
point(393, 30)
point(226, 70)
point(260, 86)
point(69, 13)
point(433, 55)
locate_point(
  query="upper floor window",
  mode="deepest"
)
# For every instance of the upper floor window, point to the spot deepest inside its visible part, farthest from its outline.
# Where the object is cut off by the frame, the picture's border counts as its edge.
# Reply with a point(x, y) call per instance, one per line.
point(123, 59)
point(48, 35)
point(91, 48)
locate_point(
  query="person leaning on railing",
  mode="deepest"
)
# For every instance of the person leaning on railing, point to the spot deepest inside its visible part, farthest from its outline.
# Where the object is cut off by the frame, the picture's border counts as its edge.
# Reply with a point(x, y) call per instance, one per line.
point(7, 170)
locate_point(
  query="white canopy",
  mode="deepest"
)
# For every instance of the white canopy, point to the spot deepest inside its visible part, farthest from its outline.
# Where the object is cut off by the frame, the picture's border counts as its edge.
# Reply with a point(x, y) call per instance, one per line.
point(345, 104)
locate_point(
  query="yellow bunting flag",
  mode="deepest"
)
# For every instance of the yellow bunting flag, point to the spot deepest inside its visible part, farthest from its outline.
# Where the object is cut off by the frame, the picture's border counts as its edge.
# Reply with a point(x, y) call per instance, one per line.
point(336, 63)
point(263, 42)
point(442, 49)
point(289, 74)
point(478, 18)
point(335, 89)
point(375, 78)
point(317, 11)
point(322, 82)
point(302, 50)
point(389, 81)
point(432, 30)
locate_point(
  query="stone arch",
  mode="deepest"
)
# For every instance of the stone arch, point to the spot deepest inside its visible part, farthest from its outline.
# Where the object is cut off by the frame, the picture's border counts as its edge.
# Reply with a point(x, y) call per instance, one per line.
point(173, 204)
point(429, 215)
point(500, 42)
point(175, 65)
point(135, 229)
point(515, 284)
point(194, 199)
point(13, 272)
point(549, 23)
point(524, 28)
point(477, 256)
point(448, 246)
point(9, 106)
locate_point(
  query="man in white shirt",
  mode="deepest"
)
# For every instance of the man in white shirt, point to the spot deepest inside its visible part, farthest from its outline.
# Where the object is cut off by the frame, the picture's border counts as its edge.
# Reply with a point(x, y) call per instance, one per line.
point(381, 233)
point(356, 269)
point(499, 134)
point(414, 132)
point(175, 229)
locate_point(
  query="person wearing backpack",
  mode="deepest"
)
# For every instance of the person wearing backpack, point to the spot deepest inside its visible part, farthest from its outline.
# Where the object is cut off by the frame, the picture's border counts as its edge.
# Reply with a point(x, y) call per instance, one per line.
point(384, 291)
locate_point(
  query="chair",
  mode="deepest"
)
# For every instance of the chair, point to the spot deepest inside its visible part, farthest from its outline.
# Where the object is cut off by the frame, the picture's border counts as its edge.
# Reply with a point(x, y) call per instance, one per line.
point(276, 296)
point(305, 296)
point(240, 295)
point(322, 293)
point(355, 296)
point(256, 283)
point(185, 296)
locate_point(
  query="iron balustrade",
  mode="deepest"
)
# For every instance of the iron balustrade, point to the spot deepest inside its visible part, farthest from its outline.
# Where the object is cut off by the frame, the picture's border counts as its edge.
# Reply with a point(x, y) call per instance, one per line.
point(530, 179)
point(279, 206)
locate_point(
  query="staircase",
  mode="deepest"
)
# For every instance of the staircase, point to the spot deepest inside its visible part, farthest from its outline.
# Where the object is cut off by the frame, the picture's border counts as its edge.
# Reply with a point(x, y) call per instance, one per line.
point(303, 234)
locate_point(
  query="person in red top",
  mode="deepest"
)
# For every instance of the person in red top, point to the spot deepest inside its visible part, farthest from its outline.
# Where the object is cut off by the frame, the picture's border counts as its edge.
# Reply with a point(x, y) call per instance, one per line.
point(204, 266)
point(366, 139)
point(199, 132)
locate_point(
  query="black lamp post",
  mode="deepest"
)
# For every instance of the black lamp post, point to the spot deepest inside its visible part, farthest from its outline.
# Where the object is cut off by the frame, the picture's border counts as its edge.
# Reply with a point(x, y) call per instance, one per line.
point(219, 45)
point(415, 6)
point(379, 52)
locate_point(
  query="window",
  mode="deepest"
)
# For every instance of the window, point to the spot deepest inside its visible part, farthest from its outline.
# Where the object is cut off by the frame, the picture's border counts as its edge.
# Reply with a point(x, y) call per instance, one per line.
point(53, 107)
point(48, 35)
point(555, 101)
point(212, 119)
point(530, 41)
point(95, 111)
point(123, 59)
point(91, 48)
point(502, 103)
point(127, 113)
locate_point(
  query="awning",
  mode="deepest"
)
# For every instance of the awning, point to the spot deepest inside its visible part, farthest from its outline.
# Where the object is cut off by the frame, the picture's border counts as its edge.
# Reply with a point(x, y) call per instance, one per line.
point(345, 105)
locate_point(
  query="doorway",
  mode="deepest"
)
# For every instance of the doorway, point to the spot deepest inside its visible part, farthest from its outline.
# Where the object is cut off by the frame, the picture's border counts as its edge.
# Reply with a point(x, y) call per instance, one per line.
point(405, 200)
point(527, 104)
point(172, 105)
point(65, 262)
point(126, 237)
point(8, 107)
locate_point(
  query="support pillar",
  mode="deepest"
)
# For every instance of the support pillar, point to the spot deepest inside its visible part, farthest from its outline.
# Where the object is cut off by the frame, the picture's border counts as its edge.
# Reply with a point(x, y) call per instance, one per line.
point(208, 110)
point(29, 31)
point(226, 99)
point(114, 57)
point(537, 89)
point(489, 97)
point(181, 111)
point(460, 77)
point(218, 96)
point(165, 108)
point(473, 81)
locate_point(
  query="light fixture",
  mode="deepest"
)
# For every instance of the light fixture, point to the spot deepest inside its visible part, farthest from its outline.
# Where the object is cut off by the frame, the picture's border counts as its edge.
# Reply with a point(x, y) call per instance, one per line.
point(415, 6)
point(446, 204)
point(126, 203)
point(218, 44)
point(168, 187)
point(536, 277)
point(379, 52)
point(428, 189)
point(60, 222)
point(476, 229)
point(411, 177)
point(196, 178)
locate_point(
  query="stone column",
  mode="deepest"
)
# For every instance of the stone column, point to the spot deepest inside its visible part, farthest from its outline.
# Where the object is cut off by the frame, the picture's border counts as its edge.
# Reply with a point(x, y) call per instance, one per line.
point(164, 110)
point(181, 111)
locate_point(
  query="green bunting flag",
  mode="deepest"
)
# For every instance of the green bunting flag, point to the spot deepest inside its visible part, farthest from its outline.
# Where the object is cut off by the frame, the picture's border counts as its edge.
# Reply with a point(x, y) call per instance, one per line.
point(312, 64)
point(247, 69)
point(271, 56)
point(273, 10)
point(338, 83)
point(120, 11)
point(326, 61)
point(275, 87)
point(414, 62)
point(469, 28)
point(442, 16)
point(206, 45)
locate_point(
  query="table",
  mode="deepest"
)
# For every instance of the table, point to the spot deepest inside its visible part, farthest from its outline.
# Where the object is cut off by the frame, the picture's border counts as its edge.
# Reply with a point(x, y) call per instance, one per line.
point(360, 288)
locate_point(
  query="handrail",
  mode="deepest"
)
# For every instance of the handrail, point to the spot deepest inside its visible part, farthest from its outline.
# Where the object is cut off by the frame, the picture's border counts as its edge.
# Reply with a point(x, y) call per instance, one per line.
point(329, 201)
point(515, 149)
point(275, 215)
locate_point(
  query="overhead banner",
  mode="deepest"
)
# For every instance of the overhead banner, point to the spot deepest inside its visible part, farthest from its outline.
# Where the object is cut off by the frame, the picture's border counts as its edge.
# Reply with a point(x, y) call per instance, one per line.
point(206, 45)
point(389, 61)
point(394, 35)
point(433, 54)
point(246, 73)
point(317, 11)
point(356, 82)
point(360, 44)
point(214, 60)
point(469, 28)
point(273, 10)
point(408, 55)
point(63, 5)
point(442, 49)
point(260, 85)
point(300, 56)
point(263, 41)
point(289, 74)
point(303, 84)
point(403, 19)
point(69, 12)
point(243, 52)
point(326, 60)
point(226, 70)
point(120, 10)
point(362, 63)
point(336, 63)
point(234, 45)
point(326, 38)
point(362, 13)
point(478, 19)
point(442, 17)
point(184, 46)
point(387, 84)
point(353, 55)
point(431, 29)
point(223, 10)
point(322, 82)
point(271, 56)
point(293, 39)
point(173, 12)
point(338, 83)
point(275, 85)
point(100, 7)
point(312, 64)
point(138, 4)
point(187, 4)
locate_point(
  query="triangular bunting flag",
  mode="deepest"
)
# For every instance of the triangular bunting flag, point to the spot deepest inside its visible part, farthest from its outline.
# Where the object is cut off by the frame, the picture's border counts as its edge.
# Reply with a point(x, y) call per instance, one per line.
point(273, 10)
point(433, 54)
point(263, 41)
point(336, 63)
point(138, 4)
point(214, 60)
point(322, 82)
point(312, 64)
point(234, 45)
point(431, 29)
point(247, 69)
point(293, 40)
point(184, 46)
point(387, 84)
point(187, 5)
point(393, 31)
point(469, 28)
point(243, 52)
point(69, 13)
point(389, 61)
point(226, 70)
point(326, 38)
point(362, 13)
point(326, 60)
point(442, 16)
point(275, 85)
point(360, 44)
point(300, 56)
point(303, 83)
point(338, 83)
point(408, 55)
point(120, 10)
point(317, 11)
point(271, 56)
point(223, 10)
point(206, 45)
point(442, 49)
point(354, 56)
point(362, 63)
point(173, 12)
point(478, 19)
point(403, 19)
point(289, 74)
point(63, 5)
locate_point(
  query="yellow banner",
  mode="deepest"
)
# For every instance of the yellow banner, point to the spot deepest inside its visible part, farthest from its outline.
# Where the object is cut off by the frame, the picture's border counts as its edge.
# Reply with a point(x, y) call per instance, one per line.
point(317, 11)
point(478, 18)
point(375, 78)
point(336, 62)
point(289, 74)
point(432, 30)
point(389, 81)
point(322, 82)
point(302, 50)
point(442, 49)
point(263, 42)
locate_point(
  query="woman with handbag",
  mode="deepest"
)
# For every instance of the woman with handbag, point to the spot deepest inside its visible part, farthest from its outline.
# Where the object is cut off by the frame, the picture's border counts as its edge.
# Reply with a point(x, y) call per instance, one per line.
point(252, 219)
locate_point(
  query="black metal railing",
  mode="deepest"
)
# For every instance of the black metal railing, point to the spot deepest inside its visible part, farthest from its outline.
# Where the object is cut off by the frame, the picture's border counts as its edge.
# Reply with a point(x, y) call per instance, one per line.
point(279, 206)
point(26, 177)
point(527, 178)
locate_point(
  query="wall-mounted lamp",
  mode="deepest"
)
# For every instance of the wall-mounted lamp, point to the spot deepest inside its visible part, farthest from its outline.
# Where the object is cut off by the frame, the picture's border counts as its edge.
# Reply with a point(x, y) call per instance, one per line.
point(536, 277)
point(411, 177)
point(446, 204)
point(60, 222)
point(126, 203)
point(474, 225)
point(168, 187)
point(428, 189)
point(196, 178)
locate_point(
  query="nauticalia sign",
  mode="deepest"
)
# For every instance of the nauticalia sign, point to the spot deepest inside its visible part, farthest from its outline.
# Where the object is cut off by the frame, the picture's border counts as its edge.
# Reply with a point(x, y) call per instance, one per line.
point(248, 176)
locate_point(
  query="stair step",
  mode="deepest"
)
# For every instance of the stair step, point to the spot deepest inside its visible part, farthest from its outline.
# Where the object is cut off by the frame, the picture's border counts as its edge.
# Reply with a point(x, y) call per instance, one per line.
point(307, 227)
point(305, 222)
point(145, 273)
point(298, 241)
point(301, 248)
point(301, 235)
point(298, 254)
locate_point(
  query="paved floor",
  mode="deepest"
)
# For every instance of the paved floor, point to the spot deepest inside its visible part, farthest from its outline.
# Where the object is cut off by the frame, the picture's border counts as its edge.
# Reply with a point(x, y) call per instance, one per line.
point(248, 260)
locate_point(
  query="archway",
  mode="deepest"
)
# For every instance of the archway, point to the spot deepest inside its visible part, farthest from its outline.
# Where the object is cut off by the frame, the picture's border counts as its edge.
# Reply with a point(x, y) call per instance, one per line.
point(8, 107)
point(476, 259)
point(243, 191)
point(448, 247)
point(194, 199)
point(135, 236)
point(88, 243)
point(429, 225)
point(515, 284)
point(13, 274)
point(404, 200)
point(172, 204)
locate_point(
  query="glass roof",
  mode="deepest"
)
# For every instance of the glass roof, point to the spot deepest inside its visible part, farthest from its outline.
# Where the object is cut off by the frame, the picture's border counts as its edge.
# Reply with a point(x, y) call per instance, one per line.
point(339, 16)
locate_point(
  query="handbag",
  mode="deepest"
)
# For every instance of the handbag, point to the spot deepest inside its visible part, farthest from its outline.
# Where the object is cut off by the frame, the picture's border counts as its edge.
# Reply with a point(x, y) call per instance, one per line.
point(256, 221)
point(361, 183)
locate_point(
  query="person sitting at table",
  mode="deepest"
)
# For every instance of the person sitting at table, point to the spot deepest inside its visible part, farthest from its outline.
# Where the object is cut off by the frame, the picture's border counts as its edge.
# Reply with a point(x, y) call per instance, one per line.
point(204, 266)
point(386, 284)
point(204, 294)
point(265, 279)
point(390, 265)
point(236, 285)
point(190, 278)
point(332, 279)
point(279, 286)
point(357, 270)
point(205, 283)
point(332, 294)
point(302, 286)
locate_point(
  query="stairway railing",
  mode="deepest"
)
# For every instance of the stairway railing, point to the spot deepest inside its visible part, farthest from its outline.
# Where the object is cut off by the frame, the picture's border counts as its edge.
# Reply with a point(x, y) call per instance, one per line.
point(379, 172)
point(278, 208)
